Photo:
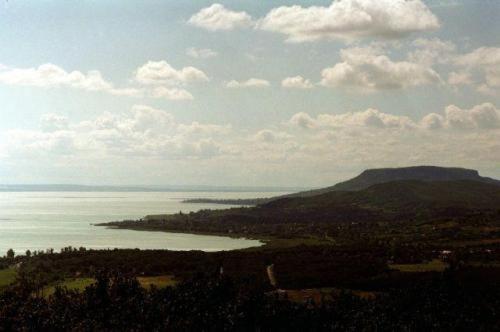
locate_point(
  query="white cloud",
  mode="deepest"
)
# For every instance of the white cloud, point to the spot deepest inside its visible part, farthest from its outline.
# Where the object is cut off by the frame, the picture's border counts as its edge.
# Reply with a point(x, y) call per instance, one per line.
point(303, 120)
point(350, 19)
point(160, 72)
point(315, 147)
point(297, 82)
point(146, 118)
point(131, 92)
point(217, 17)
point(483, 116)
point(144, 132)
point(198, 129)
point(171, 93)
point(49, 75)
point(26, 143)
point(270, 136)
point(368, 70)
point(53, 122)
point(250, 83)
point(201, 53)
point(486, 60)
point(459, 78)
point(483, 56)
point(151, 73)
point(430, 51)
point(370, 118)
point(432, 121)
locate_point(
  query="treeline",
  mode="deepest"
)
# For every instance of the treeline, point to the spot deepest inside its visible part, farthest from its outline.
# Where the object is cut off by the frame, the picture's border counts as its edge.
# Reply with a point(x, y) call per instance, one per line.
point(228, 201)
point(214, 303)
point(298, 267)
point(412, 202)
point(343, 225)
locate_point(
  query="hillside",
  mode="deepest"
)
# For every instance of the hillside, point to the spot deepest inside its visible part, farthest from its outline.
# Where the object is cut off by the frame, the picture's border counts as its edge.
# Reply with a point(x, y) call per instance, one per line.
point(397, 202)
point(383, 175)
point(400, 196)
point(371, 177)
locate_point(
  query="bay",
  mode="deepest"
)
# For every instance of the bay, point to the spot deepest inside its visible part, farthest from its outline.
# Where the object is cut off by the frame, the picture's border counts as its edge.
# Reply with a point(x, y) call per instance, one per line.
point(42, 220)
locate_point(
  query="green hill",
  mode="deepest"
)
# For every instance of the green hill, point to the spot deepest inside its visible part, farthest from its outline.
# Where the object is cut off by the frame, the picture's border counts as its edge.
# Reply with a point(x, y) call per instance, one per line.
point(465, 201)
point(383, 175)
point(402, 196)
point(372, 177)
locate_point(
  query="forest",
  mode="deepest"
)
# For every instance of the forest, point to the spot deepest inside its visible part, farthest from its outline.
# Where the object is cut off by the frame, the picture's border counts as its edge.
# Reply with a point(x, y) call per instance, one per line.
point(401, 255)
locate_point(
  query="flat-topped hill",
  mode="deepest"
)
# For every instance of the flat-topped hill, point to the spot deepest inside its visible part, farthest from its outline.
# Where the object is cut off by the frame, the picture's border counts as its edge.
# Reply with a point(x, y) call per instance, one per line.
point(402, 196)
point(420, 173)
point(372, 177)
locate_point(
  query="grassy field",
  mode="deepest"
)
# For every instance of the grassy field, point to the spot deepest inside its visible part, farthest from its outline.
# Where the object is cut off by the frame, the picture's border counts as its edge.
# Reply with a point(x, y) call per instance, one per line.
point(318, 295)
point(7, 276)
point(157, 281)
point(436, 265)
point(275, 242)
point(79, 284)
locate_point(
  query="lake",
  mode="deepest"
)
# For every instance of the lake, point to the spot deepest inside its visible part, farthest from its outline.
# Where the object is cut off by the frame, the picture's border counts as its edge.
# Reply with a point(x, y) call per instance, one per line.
point(42, 220)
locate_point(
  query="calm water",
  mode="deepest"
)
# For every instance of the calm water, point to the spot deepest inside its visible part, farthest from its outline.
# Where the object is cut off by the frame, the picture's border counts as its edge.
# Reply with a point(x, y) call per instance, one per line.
point(41, 220)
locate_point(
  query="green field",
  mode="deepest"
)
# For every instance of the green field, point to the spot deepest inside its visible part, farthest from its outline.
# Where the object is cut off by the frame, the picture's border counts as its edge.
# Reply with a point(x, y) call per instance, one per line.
point(7, 276)
point(436, 265)
point(79, 284)
point(157, 281)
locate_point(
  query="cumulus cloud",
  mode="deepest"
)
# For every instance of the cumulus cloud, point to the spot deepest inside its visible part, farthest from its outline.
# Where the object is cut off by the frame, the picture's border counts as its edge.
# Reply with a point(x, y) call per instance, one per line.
point(432, 121)
point(217, 17)
point(459, 78)
point(372, 138)
point(53, 122)
point(486, 60)
point(430, 51)
point(483, 116)
point(49, 75)
point(144, 131)
point(350, 19)
point(201, 53)
point(171, 93)
point(365, 68)
point(371, 118)
point(296, 82)
point(270, 136)
point(146, 137)
point(26, 143)
point(483, 56)
point(303, 120)
point(250, 83)
point(146, 118)
point(161, 72)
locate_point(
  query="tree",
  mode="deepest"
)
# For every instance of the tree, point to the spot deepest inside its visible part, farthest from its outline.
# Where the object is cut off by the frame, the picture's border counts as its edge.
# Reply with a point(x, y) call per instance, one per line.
point(10, 253)
point(28, 253)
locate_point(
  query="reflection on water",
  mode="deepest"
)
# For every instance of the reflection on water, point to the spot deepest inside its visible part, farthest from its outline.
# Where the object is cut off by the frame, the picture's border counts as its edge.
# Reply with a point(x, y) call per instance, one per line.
point(42, 220)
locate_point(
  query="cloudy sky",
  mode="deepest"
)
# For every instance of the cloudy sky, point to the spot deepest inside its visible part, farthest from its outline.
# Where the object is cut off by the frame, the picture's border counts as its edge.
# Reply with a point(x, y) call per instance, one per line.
point(243, 92)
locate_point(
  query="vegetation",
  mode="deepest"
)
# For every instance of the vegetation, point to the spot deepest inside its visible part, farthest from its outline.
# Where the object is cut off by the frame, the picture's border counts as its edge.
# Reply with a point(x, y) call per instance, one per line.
point(7, 277)
point(372, 177)
point(118, 303)
point(401, 255)
point(436, 265)
point(441, 213)
point(74, 284)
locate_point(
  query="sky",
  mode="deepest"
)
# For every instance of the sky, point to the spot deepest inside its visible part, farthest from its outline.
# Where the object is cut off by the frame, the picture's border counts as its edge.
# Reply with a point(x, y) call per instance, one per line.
point(245, 93)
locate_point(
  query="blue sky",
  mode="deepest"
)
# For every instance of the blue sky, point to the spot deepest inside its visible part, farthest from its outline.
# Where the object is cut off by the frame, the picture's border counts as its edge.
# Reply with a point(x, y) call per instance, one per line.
point(438, 57)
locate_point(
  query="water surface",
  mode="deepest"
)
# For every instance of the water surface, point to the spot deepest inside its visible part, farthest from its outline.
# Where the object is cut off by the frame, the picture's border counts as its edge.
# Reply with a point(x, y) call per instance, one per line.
point(42, 220)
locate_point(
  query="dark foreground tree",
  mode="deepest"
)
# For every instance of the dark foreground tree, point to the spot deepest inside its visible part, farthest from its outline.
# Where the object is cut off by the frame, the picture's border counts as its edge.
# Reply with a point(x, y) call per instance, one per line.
point(118, 303)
